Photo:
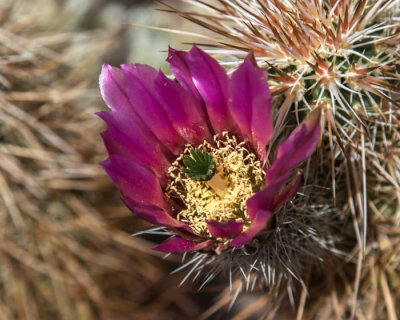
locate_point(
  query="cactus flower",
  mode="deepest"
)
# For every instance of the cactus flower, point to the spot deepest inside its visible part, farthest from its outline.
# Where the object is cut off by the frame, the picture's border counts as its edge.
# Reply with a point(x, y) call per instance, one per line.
point(190, 155)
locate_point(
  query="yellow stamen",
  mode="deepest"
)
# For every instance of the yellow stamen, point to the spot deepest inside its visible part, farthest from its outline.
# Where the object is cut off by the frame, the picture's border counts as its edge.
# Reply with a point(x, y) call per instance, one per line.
point(238, 176)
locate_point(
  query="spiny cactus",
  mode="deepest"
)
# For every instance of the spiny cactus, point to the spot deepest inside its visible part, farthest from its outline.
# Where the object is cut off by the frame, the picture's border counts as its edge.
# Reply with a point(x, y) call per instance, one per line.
point(341, 56)
point(339, 53)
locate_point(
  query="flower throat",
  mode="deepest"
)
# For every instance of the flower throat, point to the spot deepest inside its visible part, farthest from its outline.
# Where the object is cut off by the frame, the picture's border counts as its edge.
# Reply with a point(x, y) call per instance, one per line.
point(214, 183)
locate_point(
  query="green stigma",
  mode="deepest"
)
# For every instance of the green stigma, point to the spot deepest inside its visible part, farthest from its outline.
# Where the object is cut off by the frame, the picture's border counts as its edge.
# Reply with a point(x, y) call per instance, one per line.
point(200, 166)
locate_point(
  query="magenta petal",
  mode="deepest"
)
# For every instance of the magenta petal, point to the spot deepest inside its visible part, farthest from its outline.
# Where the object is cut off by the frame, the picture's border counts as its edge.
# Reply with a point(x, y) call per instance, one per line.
point(258, 225)
point(182, 111)
point(262, 205)
point(156, 216)
point(177, 244)
point(250, 102)
point(111, 145)
point(136, 182)
point(266, 198)
point(288, 192)
point(224, 229)
point(262, 127)
point(298, 147)
point(211, 81)
point(143, 97)
point(132, 143)
point(180, 69)
point(112, 84)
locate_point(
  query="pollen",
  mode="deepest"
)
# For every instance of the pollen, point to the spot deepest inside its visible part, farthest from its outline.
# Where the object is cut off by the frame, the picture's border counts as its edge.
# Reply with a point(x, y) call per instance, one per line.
point(239, 175)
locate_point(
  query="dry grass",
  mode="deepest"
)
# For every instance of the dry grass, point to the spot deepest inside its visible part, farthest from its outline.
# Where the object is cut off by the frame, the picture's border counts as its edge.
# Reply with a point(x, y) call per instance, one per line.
point(64, 245)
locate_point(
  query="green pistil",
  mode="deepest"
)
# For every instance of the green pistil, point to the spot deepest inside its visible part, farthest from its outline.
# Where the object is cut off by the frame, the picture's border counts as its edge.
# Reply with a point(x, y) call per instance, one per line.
point(200, 166)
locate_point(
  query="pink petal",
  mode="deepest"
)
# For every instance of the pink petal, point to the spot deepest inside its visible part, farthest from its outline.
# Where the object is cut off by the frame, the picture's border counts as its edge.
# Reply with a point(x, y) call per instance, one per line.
point(224, 229)
point(181, 70)
point(140, 88)
point(266, 198)
point(262, 205)
point(123, 137)
point(298, 147)
point(262, 127)
point(177, 244)
point(258, 225)
point(211, 81)
point(113, 90)
point(156, 216)
point(182, 111)
point(135, 181)
point(112, 84)
point(250, 103)
point(288, 192)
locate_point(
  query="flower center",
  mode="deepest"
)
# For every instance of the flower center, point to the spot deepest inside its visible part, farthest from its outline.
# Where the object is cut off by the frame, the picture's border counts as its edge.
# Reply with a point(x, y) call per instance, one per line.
point(214, 183)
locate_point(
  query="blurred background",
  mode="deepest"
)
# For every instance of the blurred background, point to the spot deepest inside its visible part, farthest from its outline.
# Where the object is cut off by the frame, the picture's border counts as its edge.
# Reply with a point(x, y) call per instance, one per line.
point(66, 250)
point(65, 246)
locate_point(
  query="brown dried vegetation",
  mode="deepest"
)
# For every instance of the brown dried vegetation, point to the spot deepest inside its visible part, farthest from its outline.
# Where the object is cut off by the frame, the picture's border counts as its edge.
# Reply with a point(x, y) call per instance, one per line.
point(65, 249)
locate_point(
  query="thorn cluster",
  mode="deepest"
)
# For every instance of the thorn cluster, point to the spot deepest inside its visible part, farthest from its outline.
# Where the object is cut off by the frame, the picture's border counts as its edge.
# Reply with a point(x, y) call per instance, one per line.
point(342, 54)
